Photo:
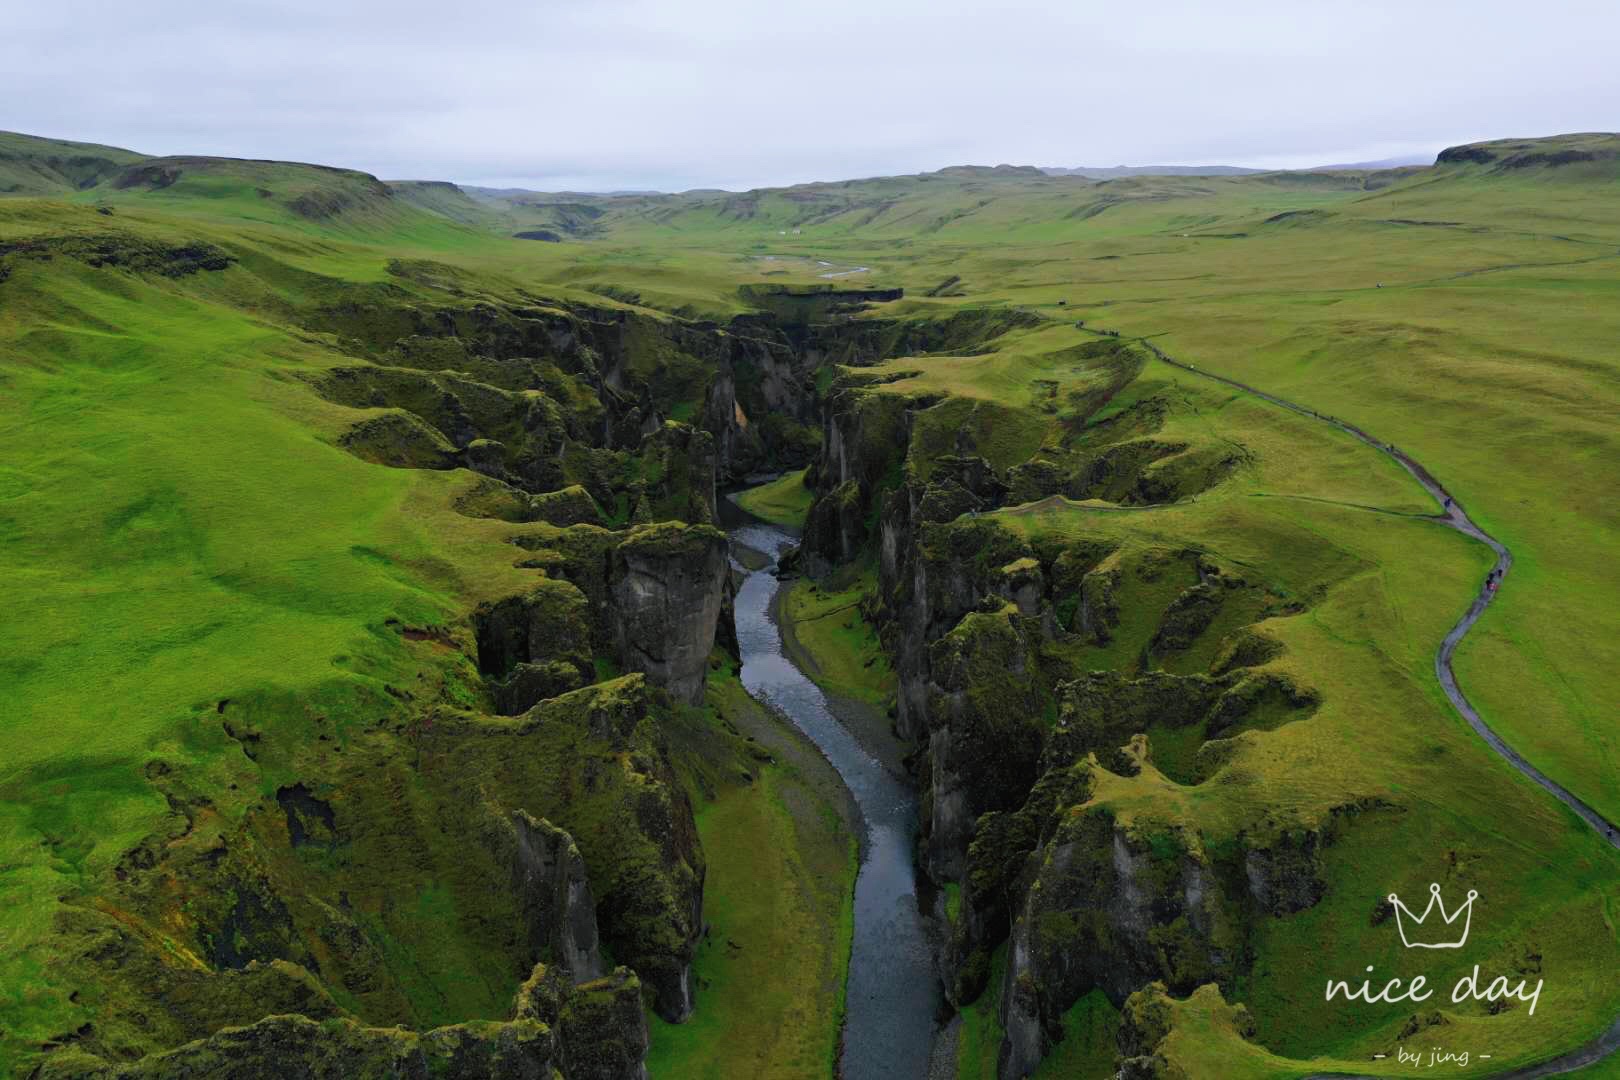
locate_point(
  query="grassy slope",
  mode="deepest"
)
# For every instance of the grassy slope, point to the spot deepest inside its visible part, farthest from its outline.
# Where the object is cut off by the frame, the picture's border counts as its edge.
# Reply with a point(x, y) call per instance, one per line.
point(783, 501)
point(1383, 589)
point(178, 528)
point(34, 166)
point(841, 647)
point(1486, 353)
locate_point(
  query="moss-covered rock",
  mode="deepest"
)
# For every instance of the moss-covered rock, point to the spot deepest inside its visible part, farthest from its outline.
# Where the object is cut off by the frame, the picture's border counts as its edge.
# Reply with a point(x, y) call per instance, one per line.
point(339, 1050)
point(985, 721)
point(571, 505)
point(594, 761)
point(668, 588)
point(553, 893)
point(604, 1031)
point(676, 465)
point(534, 646)
point(595, 1030)
point(1108, 908)
point(864, 450)
point(401, 441)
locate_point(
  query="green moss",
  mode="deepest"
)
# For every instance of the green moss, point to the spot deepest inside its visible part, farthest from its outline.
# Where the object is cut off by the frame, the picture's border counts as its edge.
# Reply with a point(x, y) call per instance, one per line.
point(1087, 1049)
point(978, 1042)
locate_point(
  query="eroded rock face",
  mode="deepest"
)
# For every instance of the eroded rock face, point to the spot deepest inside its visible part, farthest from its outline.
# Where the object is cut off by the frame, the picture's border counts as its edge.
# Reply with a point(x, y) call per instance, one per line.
point(338, 1050)
point(939, 574)
point(864, 439)
point(683, 460)
point(1111, 910)
point(985, 728)
point(604, 1030)
point(559, 836)
point(668, 584)
point(594, 1030)
point(653, 597)
point(555, 897)
point(534, 646)
point(629, 816)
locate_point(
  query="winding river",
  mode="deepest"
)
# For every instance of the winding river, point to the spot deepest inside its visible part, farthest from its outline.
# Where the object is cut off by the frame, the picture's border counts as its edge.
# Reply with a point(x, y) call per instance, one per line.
point(893, 992)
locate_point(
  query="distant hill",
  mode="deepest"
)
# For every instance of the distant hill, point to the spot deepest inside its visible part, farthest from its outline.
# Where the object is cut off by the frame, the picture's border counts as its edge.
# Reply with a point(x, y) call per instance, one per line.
point(1599, 150)
point(529, 193)
point(30, 165)
point(1407, 161)
point(975, 171)
point(443, 198)
point(1116, 172)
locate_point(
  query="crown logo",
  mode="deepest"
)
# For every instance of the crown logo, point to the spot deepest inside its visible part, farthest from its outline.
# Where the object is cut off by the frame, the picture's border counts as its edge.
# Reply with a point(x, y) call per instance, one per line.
point(1404, 919)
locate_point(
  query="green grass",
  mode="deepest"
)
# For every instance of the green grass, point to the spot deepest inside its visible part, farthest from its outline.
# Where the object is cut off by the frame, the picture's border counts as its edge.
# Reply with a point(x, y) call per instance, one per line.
point(176, 526)
point(779, 899)
point(1088, 1047)
point(1486, 353)
point(180, 529)
point(784, 501)
point(842, 648)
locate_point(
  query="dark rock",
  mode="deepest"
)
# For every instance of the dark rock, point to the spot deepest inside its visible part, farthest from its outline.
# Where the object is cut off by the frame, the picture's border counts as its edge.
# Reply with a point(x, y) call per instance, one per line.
point(548, 875)
point(668, 586)
point(296, 1046)
point(534, 646)
point(401, 441)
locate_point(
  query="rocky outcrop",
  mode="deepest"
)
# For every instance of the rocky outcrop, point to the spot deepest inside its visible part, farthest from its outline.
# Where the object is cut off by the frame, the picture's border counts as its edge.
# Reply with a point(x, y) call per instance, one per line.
point(399, 440)
point(985, 722)
point(602, 1031)
point(604, 774)
point(554, 895)
point(564, 835)
point(651, 596)
point(668, 586)
point(865, 435)
point(337, 1050)
point(534, 646)
point(614, 374)
point(590, 1031)
point(931, 575)
point(512, 435)
point(678, 466)
point(1108, 908)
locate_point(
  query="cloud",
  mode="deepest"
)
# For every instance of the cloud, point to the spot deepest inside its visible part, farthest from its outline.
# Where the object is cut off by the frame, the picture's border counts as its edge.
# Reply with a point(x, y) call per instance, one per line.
point(652, 93)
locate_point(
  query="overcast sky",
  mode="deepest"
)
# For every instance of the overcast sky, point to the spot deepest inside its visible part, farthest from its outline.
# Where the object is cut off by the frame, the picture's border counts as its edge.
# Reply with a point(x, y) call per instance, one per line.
point(608, 94)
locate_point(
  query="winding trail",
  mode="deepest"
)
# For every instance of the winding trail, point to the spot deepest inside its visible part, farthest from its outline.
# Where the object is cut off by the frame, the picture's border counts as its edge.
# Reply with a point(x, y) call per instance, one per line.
point(1456, 517)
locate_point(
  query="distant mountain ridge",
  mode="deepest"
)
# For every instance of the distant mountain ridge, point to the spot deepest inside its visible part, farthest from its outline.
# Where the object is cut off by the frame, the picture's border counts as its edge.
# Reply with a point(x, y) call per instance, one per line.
point(1115, 172)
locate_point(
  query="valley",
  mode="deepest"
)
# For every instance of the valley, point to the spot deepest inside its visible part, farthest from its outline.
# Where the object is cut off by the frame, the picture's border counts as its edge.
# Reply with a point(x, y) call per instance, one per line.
point(983, 623)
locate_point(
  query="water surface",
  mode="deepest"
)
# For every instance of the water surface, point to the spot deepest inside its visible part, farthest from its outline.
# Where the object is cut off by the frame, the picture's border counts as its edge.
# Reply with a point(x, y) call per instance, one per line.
point(893, 992)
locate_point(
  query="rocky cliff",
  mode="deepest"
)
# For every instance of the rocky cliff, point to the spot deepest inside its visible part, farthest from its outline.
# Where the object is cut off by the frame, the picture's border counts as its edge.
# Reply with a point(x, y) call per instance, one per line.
point(340, 906)
point(1036, 669)
point(594, 1031)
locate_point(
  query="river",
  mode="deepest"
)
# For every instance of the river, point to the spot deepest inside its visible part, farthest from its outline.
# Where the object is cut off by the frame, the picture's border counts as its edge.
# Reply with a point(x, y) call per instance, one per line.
point(893, 991)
